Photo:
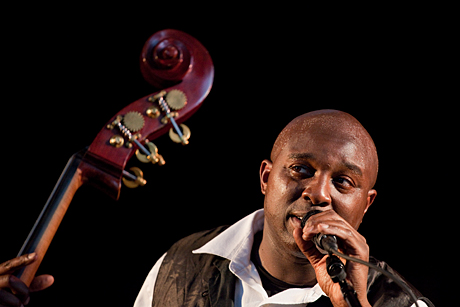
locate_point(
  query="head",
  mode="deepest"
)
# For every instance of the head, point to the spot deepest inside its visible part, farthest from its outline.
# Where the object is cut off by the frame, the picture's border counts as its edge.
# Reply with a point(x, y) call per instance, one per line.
point(321, 160)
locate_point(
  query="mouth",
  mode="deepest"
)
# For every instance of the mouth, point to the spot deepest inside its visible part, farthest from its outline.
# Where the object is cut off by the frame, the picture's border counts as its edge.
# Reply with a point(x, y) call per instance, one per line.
point(296, 220)
point(299, 219)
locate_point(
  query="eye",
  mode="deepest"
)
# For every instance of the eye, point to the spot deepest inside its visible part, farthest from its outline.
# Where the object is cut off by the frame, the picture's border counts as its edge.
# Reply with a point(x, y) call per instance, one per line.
point(343, 182)
point(303, 171)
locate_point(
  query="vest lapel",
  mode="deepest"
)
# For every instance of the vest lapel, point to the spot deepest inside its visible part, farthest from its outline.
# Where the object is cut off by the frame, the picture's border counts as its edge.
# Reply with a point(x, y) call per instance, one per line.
point(221, 284)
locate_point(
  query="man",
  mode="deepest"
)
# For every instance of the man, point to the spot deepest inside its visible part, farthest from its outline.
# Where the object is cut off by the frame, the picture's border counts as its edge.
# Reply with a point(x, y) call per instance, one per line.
point(323, 160)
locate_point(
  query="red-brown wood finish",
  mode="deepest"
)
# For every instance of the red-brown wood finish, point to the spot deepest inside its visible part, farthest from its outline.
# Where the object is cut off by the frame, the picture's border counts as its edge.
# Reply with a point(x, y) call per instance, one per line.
point(170, 60)
point(190, 70)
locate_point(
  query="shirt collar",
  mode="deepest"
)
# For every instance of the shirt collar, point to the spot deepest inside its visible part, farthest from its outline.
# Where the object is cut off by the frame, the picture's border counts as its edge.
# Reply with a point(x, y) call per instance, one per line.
point(235, 243)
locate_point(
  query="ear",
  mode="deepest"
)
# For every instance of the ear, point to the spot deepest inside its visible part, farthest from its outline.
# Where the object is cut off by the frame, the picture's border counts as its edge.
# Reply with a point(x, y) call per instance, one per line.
point(265, 169)
point(371, 194)
point(370, 198)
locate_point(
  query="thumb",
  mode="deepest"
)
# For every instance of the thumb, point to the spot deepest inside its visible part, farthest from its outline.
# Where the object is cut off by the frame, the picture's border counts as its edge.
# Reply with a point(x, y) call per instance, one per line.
point(41, 282)
point(308, 248)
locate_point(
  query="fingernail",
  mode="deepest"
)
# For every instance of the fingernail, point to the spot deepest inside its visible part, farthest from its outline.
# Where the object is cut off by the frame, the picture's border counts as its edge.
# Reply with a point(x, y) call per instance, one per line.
point(31, 256)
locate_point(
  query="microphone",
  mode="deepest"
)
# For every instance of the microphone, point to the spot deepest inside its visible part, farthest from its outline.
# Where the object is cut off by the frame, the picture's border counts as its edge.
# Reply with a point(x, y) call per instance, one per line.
point(324, 243)
point(336, 269)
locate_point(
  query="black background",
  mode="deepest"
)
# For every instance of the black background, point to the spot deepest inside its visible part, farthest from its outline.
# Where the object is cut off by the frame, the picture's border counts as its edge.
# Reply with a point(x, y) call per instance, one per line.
point(68, 70)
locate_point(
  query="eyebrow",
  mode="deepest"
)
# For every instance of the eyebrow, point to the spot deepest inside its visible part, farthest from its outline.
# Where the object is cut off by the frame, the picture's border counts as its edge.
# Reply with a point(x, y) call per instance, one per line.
point(305, 156)
point(308, 156)
point(354, 168)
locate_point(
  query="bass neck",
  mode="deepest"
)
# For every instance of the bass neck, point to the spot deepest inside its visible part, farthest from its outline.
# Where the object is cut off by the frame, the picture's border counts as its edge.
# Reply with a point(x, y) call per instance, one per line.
point(44, 229)
point(178, 65)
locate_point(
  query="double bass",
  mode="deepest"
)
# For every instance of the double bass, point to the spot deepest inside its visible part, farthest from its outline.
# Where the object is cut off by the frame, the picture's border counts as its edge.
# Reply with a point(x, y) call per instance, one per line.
point(181, 69)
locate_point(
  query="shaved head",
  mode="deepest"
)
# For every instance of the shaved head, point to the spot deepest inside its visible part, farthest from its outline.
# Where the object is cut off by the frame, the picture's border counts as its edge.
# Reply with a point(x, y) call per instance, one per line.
point(323, 160)
point(330, 124)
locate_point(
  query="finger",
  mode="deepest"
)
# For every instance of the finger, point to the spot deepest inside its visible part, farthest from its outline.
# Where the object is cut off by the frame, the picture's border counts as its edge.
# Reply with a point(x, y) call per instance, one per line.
point(301, 243)
point(9, 300)
point(41, 282)
point(328, 215)
point(17, 287)
point(328, 222)
point(12, 265)
point(308, 248)
point(338, 228)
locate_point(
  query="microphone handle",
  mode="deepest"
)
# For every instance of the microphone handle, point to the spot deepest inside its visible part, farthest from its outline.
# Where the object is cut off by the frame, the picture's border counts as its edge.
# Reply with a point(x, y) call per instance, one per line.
point(326, 243)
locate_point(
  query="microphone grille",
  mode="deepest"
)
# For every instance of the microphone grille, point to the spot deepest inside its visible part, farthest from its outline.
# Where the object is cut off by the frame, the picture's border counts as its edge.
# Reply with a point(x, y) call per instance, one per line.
point(308, 215)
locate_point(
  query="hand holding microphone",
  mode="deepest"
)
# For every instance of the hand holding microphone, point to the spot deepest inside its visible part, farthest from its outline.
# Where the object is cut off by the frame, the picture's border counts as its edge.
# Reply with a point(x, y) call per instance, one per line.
point(328, 244)
point(325, 243)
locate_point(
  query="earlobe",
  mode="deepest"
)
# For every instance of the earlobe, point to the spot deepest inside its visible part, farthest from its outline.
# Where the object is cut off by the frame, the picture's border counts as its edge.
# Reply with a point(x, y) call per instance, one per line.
point(265, 169)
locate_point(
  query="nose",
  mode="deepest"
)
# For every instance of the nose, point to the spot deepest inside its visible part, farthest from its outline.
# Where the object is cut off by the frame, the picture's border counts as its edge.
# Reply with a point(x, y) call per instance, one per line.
point(318, 191)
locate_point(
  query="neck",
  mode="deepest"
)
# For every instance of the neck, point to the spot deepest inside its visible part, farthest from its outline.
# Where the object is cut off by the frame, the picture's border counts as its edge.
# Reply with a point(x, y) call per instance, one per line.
point(286, 264)
point(50, 218)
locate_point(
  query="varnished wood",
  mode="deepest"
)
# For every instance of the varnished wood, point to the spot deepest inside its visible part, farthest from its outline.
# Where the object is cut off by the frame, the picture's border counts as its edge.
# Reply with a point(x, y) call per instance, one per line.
point(195, 83)
point(50, 218)
point(170, 60)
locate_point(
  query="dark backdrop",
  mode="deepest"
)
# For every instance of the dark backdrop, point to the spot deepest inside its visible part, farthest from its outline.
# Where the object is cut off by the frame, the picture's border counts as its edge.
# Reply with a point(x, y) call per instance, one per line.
point(66, 73)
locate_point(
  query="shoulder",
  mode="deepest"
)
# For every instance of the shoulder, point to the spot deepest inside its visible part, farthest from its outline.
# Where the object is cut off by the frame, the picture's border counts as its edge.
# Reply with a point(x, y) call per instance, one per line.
point(378, 279)
point(183, 276)
point(180, 257)
point(384, 291)
point(194, 241)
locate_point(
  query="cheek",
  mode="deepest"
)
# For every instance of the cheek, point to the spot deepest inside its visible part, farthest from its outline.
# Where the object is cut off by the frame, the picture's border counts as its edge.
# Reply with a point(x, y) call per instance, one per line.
point(352, 210)
point(275, 196)
point(281, 191)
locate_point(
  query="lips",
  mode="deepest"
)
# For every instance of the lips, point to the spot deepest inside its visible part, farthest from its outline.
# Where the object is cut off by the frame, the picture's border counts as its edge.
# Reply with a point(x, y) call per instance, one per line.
point(299, 216)
point(299, 219)
point(296, 220)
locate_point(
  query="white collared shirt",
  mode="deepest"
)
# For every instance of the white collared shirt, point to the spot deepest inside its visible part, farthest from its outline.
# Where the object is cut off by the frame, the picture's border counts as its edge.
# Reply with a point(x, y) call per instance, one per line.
point(235, 244)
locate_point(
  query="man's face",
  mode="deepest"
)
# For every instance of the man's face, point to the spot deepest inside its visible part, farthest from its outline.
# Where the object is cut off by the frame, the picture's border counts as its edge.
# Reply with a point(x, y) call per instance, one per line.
point(318, 170)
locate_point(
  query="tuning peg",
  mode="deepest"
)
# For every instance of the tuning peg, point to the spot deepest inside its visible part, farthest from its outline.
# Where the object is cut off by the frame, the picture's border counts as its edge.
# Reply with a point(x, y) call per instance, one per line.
point(176, 100)
point(180, 138)
point(133, 181)
point(153, 157)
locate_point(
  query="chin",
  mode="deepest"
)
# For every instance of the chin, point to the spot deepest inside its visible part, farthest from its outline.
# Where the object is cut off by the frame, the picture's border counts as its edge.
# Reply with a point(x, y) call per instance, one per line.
point(291, 246)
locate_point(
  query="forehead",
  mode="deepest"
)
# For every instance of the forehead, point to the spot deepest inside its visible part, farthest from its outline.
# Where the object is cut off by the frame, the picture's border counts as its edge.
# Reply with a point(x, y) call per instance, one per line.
point(331, 149)
point(329, 136)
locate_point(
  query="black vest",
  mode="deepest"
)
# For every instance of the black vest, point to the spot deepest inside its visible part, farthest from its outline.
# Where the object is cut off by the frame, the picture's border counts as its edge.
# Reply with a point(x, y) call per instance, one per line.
point(198, 280)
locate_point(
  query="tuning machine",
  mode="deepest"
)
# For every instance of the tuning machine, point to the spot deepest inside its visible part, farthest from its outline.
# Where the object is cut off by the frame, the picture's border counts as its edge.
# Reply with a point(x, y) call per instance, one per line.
point(128, 124)
point(134, 179)
point(153, 157)
point(175, 100)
